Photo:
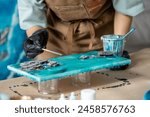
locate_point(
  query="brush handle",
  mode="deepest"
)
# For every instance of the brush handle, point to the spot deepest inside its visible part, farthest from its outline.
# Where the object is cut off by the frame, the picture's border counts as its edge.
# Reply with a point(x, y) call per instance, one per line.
point(52, 52)
point(127, 34)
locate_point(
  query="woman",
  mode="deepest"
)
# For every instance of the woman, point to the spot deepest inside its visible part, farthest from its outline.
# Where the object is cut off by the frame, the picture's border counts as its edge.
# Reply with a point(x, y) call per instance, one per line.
point(73, 26)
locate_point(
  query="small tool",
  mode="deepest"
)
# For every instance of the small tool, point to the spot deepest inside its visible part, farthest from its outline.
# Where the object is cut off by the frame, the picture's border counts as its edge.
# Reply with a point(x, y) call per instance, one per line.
point(131, 31)
point(52, 52)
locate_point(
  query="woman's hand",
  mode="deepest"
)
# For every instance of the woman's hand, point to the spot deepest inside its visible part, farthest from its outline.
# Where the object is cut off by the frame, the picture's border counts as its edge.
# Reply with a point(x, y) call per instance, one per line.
point(35, 43)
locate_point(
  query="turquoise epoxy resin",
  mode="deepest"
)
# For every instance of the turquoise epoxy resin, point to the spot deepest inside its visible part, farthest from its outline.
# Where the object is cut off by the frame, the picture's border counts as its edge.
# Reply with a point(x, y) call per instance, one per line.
point(64, 66)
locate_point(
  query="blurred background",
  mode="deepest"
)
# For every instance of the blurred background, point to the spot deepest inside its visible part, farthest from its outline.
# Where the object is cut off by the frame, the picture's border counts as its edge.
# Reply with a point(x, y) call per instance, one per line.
point(12, 37)
point(141, 37)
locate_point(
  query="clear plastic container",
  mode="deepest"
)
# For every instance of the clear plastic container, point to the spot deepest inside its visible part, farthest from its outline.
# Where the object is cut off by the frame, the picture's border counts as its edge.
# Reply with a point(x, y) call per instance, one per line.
point(88, 94)
point(48, 87)
point(4, 96)
point(82, 80)
point(113, 43)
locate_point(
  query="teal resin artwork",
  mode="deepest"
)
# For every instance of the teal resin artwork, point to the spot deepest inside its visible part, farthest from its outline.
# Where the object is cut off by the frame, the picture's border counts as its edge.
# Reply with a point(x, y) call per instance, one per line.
point(64, 66)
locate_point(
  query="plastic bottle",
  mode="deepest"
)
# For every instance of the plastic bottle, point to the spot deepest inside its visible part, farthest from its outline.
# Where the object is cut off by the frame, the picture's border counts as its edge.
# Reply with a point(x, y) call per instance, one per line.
point(62, 97)
point(88, 94)
point(72, 96)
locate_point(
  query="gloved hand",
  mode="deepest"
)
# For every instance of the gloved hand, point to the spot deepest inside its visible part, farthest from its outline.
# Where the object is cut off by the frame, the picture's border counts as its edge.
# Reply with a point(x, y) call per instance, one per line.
point(125, 55)
point(34, 44)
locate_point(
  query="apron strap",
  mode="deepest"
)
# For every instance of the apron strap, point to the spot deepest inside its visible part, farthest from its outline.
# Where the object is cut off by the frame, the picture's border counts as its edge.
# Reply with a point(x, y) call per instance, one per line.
point(72, 29)
point(92, 33)
point(69, 37)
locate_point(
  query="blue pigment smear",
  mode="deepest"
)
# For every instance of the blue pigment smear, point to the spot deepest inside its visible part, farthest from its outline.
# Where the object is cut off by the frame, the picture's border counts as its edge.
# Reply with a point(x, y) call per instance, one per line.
point(72, 65)
point(11, 38)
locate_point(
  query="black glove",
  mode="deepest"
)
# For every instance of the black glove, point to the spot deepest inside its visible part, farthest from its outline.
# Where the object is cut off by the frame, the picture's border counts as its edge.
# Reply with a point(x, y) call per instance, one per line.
point(34, 44)
point(125, 55)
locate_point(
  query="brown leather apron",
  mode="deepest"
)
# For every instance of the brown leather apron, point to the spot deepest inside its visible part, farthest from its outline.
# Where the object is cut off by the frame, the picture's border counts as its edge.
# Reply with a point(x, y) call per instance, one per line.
point(76, 25)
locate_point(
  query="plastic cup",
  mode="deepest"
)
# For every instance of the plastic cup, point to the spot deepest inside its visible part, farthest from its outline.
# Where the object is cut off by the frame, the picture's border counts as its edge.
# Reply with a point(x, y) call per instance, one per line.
point(82, 80)
point(113, 43)
point(48, 87)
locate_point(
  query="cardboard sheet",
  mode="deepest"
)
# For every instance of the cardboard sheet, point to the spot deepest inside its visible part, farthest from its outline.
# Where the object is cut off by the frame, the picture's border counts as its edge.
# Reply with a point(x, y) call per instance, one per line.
point(128, 84)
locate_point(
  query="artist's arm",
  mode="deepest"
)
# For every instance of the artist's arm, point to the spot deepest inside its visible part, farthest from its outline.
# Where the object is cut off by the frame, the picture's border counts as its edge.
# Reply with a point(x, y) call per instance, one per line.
point(122, 23)
point(32, 18)
point(125, 10)
point(33, 29)
point(32, 15)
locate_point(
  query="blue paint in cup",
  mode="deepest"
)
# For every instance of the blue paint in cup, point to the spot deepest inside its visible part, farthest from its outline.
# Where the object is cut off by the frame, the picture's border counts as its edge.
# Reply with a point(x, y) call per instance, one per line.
point(113, 43)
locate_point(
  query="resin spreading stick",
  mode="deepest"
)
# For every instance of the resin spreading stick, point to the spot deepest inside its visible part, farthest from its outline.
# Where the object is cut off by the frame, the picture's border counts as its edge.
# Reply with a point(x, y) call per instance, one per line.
point(52, 52)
